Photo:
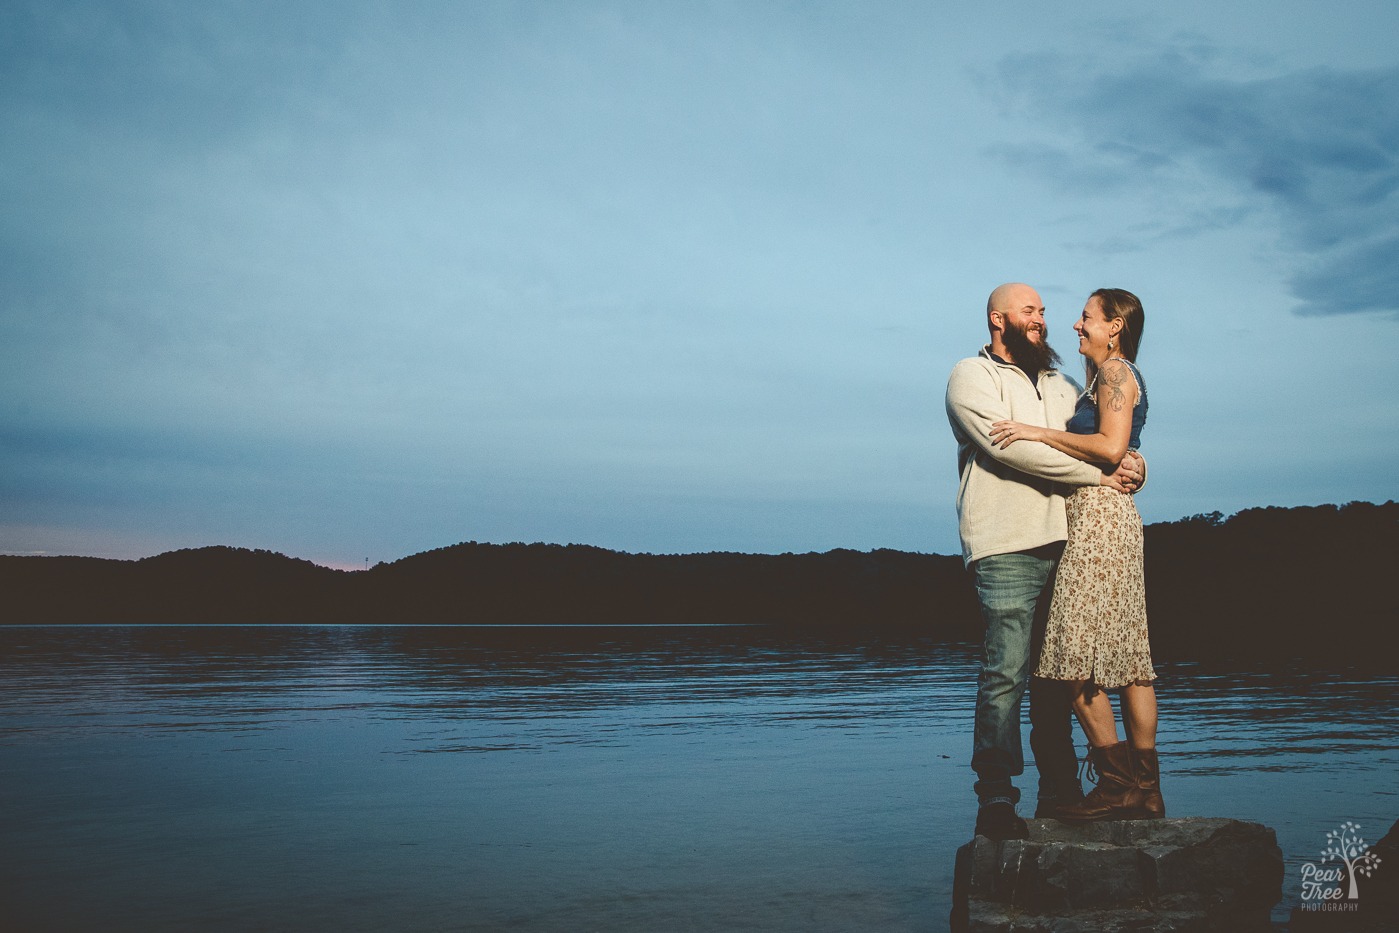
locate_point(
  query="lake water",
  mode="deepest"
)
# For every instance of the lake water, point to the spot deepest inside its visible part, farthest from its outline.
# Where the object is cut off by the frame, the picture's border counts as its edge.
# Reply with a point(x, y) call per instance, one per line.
point(552, 779)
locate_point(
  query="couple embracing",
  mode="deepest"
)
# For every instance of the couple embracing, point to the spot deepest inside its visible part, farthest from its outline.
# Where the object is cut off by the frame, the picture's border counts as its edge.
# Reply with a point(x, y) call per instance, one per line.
point(1047, 471)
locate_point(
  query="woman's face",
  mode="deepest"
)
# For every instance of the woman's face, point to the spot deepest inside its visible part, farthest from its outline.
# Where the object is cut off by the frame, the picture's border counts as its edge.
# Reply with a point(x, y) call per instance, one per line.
point(1094, 330)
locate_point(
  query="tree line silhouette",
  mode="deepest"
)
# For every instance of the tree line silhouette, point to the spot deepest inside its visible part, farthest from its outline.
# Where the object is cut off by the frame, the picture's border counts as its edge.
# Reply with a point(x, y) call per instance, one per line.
point(1297, 580)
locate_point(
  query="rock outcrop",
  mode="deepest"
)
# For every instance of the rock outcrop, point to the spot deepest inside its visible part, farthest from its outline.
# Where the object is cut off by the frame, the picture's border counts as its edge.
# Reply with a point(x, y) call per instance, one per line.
point(1161, 876)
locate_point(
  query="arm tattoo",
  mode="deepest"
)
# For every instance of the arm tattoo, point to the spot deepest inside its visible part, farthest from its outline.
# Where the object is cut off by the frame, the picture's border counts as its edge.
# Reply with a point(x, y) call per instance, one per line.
point(1114, 377)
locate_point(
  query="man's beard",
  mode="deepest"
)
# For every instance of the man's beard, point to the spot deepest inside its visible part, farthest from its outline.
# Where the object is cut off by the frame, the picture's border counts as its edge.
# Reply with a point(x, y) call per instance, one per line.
point(1028, 355)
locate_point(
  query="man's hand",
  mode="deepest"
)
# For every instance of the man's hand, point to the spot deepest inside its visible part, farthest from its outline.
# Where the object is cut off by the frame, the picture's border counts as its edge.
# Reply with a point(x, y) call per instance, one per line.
point(1129, 475)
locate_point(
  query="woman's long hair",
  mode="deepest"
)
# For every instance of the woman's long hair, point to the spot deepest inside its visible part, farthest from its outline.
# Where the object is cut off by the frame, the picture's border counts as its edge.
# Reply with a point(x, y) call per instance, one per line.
point(1119, 303)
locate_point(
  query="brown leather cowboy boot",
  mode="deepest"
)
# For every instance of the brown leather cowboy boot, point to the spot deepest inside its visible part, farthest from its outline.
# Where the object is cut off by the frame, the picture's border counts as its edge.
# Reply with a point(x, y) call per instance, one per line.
point(1116, 797)
point(1146, 772)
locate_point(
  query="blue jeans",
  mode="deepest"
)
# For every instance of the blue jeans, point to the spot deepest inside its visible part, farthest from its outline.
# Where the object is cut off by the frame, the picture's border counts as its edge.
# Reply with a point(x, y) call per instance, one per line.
point(1014, 591)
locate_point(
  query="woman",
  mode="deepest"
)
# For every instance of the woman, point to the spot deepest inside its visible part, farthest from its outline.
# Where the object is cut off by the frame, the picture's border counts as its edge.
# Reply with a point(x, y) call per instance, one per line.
point(1096, 637)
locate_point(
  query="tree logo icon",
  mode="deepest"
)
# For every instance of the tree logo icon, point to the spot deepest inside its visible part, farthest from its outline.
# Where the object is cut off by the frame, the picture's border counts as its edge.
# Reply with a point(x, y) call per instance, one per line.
point(1346, 845)
point(1321, 885)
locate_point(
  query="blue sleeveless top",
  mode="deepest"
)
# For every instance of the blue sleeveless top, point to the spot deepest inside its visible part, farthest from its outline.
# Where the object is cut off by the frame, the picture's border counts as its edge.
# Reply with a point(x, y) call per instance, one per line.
point(1085, 417)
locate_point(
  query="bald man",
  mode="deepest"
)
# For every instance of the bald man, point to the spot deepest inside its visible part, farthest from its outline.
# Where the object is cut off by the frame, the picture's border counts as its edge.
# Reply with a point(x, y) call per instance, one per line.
point(1010, 512)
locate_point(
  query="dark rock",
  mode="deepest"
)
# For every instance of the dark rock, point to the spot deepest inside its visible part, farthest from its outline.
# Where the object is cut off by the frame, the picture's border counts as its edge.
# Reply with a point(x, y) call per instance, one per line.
point(1142, 875)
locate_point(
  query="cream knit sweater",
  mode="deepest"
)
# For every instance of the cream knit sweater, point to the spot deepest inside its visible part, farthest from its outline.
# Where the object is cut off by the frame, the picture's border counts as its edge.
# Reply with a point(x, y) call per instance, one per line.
point(1012, 499)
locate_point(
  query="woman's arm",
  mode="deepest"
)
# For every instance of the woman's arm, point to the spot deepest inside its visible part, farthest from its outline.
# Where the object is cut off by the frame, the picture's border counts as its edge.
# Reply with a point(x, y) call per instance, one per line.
point(1117, 395)
point(975, 401)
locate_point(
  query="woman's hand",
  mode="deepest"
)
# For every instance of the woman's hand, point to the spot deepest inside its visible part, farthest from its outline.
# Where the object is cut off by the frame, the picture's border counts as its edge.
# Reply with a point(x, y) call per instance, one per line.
point(1005, 433)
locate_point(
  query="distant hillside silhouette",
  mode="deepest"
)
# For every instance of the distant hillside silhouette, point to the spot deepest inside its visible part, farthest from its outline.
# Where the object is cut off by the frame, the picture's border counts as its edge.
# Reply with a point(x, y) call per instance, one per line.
point(1309, 580)
point(546, 583)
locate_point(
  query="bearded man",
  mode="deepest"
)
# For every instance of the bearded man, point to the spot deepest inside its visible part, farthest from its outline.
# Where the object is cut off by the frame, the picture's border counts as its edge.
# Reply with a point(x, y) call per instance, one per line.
point(1010, 512)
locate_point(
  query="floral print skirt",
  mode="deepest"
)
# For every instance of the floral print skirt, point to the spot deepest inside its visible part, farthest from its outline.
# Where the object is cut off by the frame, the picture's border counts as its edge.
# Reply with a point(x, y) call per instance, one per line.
point(1097, 621)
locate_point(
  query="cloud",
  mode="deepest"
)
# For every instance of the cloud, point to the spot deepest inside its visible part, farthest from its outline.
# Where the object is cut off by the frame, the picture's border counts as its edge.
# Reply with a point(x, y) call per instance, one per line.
point(1320, 147)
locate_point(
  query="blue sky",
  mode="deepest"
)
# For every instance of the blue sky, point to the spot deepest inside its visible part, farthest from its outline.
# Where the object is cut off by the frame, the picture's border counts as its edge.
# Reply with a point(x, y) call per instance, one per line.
point(350, 280)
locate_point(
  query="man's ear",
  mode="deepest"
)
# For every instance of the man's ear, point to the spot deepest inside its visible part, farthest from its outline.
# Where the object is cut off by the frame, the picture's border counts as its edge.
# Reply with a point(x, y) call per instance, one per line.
point(998, 320)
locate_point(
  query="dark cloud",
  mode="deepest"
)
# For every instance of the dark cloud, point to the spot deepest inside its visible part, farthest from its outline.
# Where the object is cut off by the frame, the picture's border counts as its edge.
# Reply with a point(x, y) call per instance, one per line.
point(1320, 146)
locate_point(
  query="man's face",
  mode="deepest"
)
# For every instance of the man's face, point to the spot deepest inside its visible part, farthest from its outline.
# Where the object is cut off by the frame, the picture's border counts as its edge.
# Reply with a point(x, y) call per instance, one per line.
point(1025, 314)
point(1023, 334)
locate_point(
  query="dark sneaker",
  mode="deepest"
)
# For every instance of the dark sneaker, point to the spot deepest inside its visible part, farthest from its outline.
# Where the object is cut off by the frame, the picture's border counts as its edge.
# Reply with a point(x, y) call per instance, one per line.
point(998, 821)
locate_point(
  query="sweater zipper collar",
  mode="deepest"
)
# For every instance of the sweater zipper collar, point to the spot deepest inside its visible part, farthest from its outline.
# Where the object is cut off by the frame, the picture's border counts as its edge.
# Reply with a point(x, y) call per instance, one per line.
point(1034, 383)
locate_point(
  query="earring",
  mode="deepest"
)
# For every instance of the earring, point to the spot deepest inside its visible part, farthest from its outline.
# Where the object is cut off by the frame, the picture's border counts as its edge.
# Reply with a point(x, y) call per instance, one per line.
point(1109, 343)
